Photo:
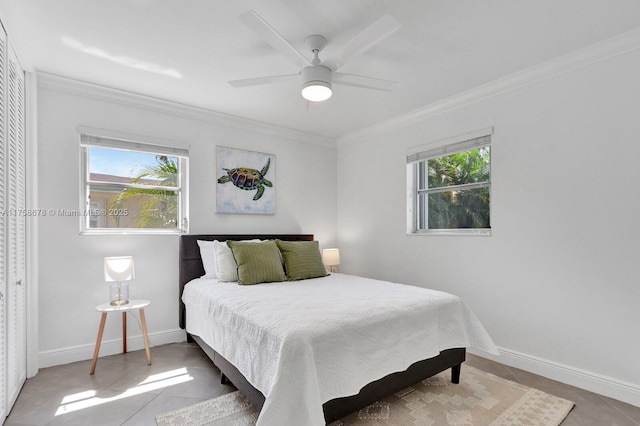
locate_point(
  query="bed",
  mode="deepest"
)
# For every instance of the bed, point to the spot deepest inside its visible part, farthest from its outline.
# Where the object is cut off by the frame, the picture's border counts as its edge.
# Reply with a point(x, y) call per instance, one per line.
point(304, 383)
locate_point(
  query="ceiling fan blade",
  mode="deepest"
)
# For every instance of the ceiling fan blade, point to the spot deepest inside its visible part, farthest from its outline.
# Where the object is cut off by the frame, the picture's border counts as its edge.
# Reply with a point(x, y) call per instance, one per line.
point(262, 28)
point(364, 82)
point(275, 79)
point(364, 41)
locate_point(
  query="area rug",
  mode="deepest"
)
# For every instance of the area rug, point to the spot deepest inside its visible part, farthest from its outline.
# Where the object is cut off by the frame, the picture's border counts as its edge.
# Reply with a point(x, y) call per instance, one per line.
point(481, 399)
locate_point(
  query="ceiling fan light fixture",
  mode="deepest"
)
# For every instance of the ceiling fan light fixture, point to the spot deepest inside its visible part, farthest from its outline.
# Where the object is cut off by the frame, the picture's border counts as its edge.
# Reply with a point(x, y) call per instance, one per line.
point(316, 83)
point(316, 91)
point(317, 77)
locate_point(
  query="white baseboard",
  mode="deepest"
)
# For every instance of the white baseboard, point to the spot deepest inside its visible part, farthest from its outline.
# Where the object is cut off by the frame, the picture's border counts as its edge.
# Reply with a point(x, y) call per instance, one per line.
point(108, 347)
point(593, 382)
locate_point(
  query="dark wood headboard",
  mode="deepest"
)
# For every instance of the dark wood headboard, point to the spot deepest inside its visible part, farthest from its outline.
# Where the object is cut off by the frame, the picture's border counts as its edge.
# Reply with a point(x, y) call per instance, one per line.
point(190, 264)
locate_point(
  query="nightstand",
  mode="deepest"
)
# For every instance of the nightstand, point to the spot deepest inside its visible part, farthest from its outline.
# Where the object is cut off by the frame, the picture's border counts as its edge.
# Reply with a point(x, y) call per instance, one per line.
point(106, 308)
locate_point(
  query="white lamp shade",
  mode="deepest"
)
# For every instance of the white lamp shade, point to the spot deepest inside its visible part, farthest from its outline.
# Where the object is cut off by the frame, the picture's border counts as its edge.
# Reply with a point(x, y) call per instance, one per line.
point(119, 268)
point(331, 256)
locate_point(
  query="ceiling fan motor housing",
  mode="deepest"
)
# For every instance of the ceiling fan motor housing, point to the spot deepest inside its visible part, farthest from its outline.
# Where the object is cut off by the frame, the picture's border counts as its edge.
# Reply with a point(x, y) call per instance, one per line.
point(316, 74)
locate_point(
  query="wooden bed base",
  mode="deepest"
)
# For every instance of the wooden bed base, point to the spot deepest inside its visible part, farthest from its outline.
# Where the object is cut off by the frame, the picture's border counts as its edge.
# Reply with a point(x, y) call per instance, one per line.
point(190, 267)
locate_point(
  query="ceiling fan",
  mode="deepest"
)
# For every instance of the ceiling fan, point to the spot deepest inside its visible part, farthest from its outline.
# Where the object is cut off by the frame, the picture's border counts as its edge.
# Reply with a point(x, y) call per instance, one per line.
point(318, 76)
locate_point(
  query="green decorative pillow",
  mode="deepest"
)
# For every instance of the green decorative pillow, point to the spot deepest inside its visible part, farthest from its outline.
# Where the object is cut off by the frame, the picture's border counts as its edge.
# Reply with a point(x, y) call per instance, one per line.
point(257, 262)
point(302, 259)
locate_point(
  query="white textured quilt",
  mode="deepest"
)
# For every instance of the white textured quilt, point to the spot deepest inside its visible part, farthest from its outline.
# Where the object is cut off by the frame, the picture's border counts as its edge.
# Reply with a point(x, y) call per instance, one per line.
point(303, 343)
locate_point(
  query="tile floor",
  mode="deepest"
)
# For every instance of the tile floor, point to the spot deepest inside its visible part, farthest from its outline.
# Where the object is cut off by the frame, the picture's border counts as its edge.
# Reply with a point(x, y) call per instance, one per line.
point(125, 391)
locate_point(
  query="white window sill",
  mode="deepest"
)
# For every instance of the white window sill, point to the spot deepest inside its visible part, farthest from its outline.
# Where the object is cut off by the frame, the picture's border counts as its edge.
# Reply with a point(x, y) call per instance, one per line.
point(453, 232)
point(129, 231)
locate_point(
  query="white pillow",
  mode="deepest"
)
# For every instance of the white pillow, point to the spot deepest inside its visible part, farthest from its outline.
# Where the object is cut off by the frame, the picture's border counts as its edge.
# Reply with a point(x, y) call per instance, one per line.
point(208, 256)
point(226, 267)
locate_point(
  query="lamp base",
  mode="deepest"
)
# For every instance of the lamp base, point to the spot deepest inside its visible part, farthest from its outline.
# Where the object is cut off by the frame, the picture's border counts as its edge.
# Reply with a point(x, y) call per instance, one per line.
point(118, 294)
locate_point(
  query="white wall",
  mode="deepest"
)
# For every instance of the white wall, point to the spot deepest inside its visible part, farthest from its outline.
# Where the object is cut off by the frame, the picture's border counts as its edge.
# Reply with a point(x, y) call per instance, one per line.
point(71, 279)
point(556, 284)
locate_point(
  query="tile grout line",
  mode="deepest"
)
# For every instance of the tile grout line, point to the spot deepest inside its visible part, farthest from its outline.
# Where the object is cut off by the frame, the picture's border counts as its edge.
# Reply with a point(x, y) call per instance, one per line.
point(141, 408)
point(605, 400)
point(514, 376)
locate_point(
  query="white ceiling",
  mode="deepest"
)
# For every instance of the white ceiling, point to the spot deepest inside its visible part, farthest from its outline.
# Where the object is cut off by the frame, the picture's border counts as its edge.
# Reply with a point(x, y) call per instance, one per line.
point(191, 48)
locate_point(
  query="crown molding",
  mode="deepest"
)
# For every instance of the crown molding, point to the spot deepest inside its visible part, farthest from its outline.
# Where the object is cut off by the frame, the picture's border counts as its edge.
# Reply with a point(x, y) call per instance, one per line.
point(601, 51)
point(130, 99)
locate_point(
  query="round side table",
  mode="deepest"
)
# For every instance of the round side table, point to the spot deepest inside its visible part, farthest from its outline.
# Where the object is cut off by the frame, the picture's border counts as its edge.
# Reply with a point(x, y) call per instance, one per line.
point(106, 308)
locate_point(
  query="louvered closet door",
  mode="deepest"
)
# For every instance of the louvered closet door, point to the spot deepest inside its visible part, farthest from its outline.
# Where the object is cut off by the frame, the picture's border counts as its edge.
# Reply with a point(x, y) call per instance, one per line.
point(15, 229)
point(3, 269)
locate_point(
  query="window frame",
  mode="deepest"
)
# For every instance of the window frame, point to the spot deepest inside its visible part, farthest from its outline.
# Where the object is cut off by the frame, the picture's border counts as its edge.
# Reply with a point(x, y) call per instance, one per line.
point(442, 148)
point(110, 140)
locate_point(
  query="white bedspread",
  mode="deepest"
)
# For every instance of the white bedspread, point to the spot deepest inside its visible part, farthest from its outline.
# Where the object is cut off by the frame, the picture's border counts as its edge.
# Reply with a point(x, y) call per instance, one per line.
point(306, 342)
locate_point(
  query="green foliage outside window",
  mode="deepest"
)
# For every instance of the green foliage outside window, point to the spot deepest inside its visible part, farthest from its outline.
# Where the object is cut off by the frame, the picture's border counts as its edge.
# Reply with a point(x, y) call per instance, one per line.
point(460, 199)
point(158, 208)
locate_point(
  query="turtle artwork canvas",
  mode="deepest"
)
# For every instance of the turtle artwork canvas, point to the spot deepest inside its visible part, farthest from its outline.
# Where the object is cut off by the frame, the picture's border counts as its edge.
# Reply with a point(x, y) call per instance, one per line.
point(245, 181)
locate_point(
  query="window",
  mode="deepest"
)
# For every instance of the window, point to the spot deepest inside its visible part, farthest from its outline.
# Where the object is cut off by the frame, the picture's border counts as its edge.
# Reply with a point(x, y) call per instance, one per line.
point(450, 186)
point(132, 187)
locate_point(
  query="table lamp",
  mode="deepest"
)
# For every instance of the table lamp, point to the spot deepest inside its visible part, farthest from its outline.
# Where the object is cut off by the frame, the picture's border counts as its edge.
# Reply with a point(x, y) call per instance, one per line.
point(331, 258)
point(116, 270)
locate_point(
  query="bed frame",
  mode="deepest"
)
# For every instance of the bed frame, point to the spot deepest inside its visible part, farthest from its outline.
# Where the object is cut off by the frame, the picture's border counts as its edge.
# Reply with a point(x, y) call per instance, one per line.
point(190, 267)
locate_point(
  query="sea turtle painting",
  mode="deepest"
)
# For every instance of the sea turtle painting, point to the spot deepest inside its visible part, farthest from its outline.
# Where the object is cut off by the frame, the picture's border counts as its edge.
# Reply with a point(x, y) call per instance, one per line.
point(248, 179)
